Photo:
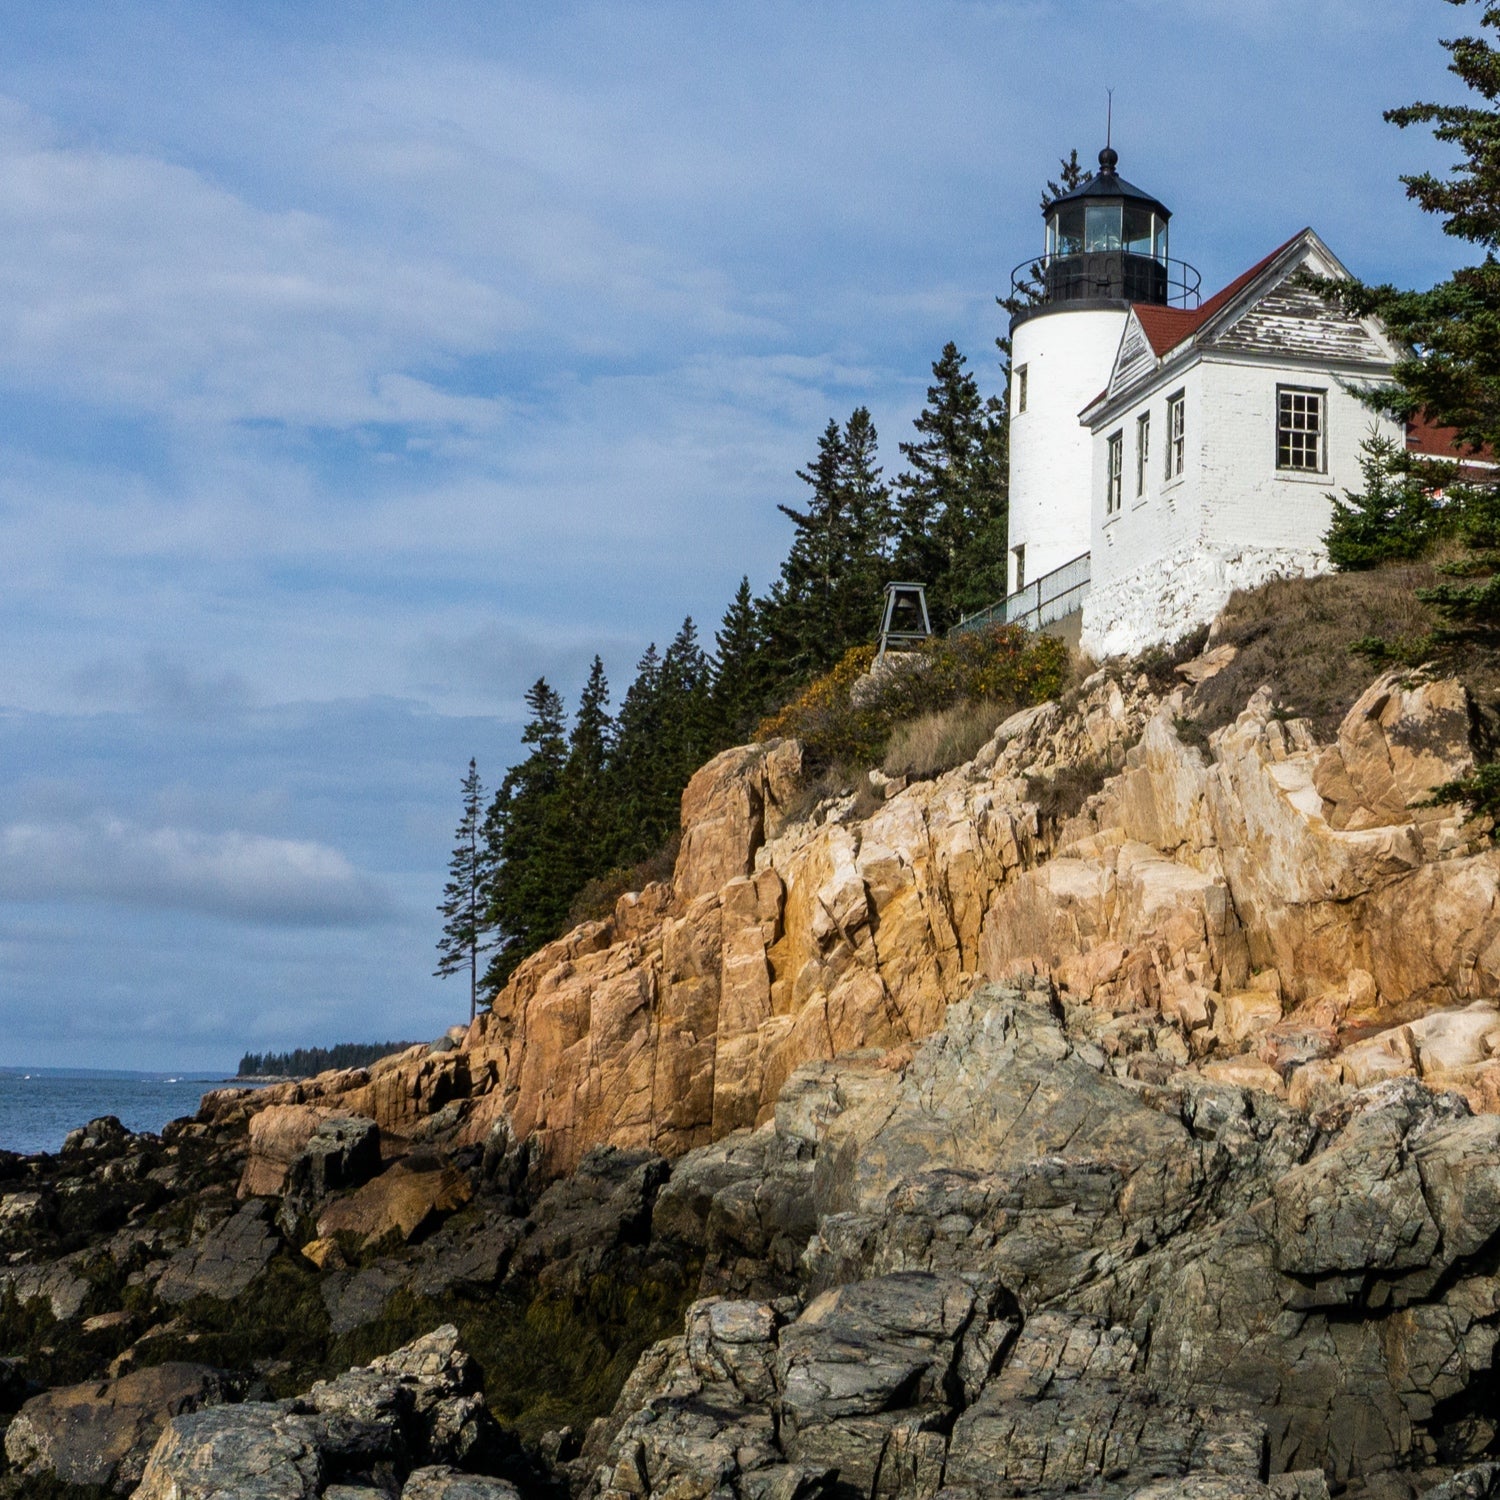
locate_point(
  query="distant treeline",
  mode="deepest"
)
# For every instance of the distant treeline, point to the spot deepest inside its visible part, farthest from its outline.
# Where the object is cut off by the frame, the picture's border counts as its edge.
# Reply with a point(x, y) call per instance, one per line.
point(305, 1061)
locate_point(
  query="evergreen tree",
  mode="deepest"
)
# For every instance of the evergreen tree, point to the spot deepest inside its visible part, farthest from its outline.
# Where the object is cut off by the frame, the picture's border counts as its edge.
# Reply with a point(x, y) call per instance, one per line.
point(466, 921)
point(634, 764)
point(952, 501)
point(1393, 517)
point(525, 834)
point(1451, 374)
point(592, 829)
point(1071, 175)
point(856, 608)
point(743, 672)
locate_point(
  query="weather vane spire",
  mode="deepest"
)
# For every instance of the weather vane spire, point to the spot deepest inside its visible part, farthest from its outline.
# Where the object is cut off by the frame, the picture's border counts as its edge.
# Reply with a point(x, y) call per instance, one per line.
point(1109, 117)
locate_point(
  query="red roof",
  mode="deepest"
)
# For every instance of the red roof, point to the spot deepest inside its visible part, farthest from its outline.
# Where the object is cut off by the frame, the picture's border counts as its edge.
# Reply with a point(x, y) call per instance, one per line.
point(1426, 437)
point(1167, 327)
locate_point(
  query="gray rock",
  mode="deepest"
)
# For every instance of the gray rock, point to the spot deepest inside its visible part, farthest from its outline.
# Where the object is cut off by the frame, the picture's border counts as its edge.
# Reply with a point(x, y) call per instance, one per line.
point(1482, 1482)
point(440, 1483)
point(100, 1433)
point(410, 1409)
point(343, 1152)
point(225, 1261)
point(257, 1451)
point(57, 1283)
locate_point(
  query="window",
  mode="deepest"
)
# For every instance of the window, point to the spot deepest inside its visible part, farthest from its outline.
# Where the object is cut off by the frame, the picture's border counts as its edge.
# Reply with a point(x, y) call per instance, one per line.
point(1299, 429)
point(1176, 433)
point(1019, 554)
point(1116, 473)
point(1142, 451)
point(1020, 389)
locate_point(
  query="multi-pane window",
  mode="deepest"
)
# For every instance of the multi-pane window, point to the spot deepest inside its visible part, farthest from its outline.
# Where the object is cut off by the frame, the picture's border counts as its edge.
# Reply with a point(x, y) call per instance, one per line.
point(1176, 433)
point(1299, 429)
point(1021, 373)
point(1116, 473)
point(1019, 554)
point(1142, 451)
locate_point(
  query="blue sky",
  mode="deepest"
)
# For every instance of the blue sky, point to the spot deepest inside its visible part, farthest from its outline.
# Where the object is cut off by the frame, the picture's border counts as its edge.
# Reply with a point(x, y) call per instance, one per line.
point(361, 362)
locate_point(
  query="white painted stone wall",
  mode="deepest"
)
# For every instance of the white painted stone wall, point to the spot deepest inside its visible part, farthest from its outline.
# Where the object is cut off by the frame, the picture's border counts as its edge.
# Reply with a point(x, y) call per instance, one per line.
point(1068, 355)
point(1168, 561)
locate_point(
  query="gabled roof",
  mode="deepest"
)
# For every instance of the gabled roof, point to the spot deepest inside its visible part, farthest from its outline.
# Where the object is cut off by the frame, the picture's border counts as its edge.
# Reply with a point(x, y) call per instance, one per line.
point(1167, 327)
point(1155, 336)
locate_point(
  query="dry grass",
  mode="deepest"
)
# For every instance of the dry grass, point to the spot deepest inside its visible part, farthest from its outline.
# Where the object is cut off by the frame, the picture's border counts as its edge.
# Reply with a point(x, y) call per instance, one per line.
point(936, 742)
point(1295, 634)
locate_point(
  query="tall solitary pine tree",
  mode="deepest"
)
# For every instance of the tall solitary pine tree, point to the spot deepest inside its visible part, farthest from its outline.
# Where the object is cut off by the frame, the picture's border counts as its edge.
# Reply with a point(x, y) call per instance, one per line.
point(467, 932)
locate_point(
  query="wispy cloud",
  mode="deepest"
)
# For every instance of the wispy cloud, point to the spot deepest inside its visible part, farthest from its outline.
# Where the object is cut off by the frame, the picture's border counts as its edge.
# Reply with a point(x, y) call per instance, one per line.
point(240, 876)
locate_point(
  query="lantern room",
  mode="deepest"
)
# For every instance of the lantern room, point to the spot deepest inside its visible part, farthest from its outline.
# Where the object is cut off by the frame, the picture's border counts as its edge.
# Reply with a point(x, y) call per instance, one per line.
point(1106, 241)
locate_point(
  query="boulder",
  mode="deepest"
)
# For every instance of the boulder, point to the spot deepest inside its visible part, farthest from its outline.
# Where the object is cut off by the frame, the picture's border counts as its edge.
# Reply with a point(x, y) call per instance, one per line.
point(100, 1433)
point(437, 1482)
point(405, 1199)
point(342, 1152)
point(410, 1410)
point(225, 1261)
point(257, 1451)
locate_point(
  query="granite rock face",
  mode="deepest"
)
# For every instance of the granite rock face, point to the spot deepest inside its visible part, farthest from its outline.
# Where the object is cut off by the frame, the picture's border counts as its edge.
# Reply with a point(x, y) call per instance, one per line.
point(1272, 900)
point(1043, 1276)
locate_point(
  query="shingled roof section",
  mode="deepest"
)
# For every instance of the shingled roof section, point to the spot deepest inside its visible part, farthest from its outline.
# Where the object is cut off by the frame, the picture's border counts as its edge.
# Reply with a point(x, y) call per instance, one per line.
point(1167, 327)
point(1430, 440)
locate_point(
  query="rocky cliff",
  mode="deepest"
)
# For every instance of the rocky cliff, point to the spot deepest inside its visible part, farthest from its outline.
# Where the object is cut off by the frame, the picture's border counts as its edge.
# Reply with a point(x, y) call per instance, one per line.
point(1285, 914)
point(1118, 1113)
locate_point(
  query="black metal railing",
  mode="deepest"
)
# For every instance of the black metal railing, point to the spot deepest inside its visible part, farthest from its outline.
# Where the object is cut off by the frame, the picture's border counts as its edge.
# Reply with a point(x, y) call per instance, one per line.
point(1113, 275)
point(1044, 601)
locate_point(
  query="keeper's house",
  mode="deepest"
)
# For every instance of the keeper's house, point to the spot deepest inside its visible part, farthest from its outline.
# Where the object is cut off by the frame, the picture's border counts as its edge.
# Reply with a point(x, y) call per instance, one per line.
point(1167, 450)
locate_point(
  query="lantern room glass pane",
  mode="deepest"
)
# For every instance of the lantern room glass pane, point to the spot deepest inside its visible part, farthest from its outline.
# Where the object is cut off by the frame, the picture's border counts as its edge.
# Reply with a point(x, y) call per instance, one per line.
point(1140, 225)
point(1069, 229)
point(1103, 229)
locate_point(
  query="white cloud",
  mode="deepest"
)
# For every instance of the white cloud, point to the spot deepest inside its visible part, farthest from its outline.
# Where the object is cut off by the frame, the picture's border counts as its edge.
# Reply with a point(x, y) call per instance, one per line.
point(241, 876)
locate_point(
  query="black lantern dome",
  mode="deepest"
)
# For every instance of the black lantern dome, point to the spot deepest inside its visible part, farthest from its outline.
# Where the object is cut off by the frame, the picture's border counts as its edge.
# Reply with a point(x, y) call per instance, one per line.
point(1106, 243)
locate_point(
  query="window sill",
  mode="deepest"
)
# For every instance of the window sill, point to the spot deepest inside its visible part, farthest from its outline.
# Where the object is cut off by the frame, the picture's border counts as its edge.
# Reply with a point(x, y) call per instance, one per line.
point(1137, 504)
point(1175, 482)
point(1303, 476)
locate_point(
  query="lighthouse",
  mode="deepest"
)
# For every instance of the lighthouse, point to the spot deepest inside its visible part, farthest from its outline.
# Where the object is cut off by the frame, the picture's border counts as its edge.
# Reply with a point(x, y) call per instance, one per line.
point(1105, 251)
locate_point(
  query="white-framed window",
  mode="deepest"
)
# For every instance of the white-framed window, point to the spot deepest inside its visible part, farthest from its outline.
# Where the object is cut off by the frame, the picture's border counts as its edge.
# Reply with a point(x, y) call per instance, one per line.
point(1300, 423)
point(1021, 383)
point(1019, 555)
point(1116, 473)
point(1142, 451)
point(1176, 433)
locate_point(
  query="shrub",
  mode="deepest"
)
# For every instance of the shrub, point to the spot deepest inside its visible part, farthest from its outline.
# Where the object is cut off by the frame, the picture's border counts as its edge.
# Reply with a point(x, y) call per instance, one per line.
point(1005, 667)
point(1059, 796)
point(597, 899)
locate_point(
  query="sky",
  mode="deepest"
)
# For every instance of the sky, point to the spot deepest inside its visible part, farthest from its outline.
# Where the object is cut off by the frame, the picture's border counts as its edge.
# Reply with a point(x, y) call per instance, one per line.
point(361, 363)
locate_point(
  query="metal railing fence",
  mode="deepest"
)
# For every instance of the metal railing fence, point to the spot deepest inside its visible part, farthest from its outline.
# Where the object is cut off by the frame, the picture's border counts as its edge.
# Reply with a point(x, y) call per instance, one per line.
point(1043, 601)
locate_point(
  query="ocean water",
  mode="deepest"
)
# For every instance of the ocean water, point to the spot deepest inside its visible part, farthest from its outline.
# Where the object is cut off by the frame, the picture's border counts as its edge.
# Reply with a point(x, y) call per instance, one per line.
point(39, 1106)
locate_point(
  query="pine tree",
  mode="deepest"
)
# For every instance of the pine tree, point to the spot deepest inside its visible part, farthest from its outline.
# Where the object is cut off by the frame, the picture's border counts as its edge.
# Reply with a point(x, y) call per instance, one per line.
point(743, 673)
point(1451, 376)
point(1071, 175)
point(1393, 517)
point(866, 564)
point(592, 830)
point(466, 922)
point(634, 765)
point(526, 835)
point(952, 502)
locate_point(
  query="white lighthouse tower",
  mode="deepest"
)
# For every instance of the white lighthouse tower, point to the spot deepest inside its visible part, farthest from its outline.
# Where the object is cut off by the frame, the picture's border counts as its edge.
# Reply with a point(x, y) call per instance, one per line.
point(1106, 249)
